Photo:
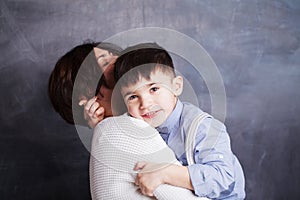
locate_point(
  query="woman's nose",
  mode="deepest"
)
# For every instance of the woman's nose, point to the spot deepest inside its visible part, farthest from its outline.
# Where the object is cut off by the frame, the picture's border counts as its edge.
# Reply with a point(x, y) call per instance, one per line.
point(112, 59)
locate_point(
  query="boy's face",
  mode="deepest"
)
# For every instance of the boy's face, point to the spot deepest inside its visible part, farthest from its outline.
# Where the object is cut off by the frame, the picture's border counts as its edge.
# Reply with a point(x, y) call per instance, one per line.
point(152, 100)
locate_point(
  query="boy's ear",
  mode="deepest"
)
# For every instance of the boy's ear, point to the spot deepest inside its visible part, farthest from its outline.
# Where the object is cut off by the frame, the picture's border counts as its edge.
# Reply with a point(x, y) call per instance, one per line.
point(177, 85)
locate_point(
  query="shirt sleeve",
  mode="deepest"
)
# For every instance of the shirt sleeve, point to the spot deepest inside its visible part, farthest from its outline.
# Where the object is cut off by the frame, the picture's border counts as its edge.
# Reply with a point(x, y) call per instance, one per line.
point(212, 176)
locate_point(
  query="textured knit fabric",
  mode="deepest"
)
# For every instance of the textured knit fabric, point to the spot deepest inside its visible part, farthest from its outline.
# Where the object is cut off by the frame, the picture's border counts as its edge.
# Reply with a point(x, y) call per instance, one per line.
point(217, 173)
point(118, 144)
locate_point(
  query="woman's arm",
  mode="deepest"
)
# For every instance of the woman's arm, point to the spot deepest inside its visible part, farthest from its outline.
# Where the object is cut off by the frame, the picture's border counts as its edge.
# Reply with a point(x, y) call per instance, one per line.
point(118, 144)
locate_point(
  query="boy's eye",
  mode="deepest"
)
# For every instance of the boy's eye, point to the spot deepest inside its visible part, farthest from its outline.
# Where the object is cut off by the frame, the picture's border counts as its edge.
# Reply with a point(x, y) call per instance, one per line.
point(154, 89)
point(132, 97)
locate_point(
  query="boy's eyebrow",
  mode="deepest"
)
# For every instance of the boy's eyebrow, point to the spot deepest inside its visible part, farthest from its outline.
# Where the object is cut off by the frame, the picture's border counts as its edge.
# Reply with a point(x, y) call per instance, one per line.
point(132, 91)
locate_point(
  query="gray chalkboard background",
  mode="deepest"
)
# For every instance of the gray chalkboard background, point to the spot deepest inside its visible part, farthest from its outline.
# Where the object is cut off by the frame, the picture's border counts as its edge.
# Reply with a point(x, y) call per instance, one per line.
point(255, 45)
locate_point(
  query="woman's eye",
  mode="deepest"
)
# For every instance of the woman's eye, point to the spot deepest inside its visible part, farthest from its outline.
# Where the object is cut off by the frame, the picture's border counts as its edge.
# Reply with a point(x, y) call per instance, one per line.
point(101, 57)
point(105, 63)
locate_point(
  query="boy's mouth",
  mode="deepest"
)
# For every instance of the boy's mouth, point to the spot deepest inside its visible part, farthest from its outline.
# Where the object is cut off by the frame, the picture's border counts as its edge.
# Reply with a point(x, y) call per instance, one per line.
point(150, 115)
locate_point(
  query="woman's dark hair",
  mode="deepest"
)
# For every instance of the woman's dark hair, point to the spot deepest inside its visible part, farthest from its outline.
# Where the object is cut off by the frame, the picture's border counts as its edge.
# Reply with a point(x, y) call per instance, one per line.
point(62, 79)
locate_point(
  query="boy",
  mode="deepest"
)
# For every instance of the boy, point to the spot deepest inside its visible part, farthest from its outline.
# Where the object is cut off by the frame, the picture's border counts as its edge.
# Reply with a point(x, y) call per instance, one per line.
point(111, 174)
point(146, 78)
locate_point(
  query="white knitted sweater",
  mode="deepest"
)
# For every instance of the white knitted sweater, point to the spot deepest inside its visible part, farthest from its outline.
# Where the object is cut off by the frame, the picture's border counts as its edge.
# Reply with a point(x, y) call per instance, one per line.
point(118, 144)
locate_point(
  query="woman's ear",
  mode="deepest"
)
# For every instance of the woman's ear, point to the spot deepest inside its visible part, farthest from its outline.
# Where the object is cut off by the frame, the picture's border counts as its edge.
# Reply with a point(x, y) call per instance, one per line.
point(177, 85)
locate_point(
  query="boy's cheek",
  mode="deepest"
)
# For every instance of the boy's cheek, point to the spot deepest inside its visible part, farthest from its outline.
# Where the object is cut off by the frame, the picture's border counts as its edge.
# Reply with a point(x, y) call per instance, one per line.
point(130, 111)
point(133, 113)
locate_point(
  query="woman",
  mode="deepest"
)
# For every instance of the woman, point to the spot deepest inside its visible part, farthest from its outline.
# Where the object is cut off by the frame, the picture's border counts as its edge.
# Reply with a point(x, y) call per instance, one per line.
point(66, 72)
point(116, 145)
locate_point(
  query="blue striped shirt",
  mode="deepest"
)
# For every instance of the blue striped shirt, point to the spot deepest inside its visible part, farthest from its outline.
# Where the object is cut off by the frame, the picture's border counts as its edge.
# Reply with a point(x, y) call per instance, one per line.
point(217, 175)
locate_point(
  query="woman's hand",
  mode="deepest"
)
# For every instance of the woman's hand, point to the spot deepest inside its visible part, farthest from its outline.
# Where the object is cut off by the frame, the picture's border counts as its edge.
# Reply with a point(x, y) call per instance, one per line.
point(93, 112)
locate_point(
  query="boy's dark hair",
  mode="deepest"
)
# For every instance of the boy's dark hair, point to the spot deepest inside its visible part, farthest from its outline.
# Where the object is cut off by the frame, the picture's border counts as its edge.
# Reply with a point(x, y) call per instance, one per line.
point(62, 79)
point(141, 60)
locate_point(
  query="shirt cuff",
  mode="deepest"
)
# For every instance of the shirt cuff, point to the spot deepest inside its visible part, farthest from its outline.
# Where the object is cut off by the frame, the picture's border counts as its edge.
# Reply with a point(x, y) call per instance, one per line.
point(200, 177)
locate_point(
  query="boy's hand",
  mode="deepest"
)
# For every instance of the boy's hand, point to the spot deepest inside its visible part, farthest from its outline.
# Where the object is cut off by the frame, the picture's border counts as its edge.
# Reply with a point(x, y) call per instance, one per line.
point(93, 112)
point(151, 175)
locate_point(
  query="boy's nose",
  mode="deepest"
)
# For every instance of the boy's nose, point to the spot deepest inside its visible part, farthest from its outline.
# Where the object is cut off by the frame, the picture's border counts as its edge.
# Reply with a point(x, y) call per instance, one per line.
point(145, 102)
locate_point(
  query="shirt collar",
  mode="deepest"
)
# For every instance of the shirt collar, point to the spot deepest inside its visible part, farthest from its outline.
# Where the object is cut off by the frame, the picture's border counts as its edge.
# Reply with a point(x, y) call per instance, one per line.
point(172, 121)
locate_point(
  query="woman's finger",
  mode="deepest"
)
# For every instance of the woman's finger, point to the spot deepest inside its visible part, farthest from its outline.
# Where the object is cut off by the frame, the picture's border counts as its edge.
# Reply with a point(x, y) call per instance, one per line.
point(139, 165)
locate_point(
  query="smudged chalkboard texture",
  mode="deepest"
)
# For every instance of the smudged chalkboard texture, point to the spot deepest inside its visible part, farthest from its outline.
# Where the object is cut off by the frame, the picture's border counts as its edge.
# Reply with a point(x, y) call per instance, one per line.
point(255, 45)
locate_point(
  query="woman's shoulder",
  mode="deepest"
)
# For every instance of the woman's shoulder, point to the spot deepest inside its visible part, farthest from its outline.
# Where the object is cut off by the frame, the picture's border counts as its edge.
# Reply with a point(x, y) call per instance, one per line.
point(120, 122)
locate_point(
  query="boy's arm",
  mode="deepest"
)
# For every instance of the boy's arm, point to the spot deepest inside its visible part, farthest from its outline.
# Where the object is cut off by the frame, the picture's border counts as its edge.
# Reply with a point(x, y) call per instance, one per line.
point(213, 173)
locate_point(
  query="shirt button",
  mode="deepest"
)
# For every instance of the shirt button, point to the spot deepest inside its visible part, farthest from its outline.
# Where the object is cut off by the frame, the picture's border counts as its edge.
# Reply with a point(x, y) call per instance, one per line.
point(221, 156)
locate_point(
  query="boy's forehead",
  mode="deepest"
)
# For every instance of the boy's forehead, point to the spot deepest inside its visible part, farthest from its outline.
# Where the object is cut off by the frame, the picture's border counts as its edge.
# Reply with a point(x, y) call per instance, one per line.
point(155, 77)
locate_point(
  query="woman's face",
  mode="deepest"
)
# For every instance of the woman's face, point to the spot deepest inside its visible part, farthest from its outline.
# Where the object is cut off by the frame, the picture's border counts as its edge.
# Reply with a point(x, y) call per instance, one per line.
point(106, 60)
